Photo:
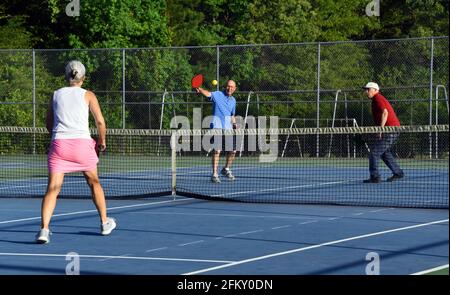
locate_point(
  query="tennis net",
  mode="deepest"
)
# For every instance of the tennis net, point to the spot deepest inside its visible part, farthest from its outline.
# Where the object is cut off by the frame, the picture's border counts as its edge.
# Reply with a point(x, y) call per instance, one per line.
point(292, 165)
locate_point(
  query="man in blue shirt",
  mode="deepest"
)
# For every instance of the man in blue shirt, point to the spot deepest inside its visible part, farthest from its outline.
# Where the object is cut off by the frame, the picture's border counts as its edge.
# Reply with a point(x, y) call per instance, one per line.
point(224, 111)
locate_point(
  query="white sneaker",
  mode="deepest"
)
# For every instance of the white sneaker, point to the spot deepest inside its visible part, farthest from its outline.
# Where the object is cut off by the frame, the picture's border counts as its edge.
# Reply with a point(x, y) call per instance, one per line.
point(215, 179)
point(43, 237)
point(227, 172)
point(108, 226)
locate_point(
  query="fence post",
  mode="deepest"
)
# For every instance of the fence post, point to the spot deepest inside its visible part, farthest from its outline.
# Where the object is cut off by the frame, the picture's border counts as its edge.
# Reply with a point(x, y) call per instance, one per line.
point(123, 89)
point(217, 66)
point(34, 98)
point(318, 99)
point(431, 96)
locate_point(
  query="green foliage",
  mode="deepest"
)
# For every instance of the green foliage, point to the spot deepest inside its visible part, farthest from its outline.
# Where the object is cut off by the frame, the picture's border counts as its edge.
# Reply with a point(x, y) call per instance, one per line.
point(15, 87)
point(101, 23)
point(112, 24)
point(13, 34)
point(411, 18)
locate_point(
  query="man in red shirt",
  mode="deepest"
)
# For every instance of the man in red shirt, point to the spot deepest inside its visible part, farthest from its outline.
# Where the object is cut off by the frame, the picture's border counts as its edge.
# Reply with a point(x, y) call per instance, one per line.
point(383, 115)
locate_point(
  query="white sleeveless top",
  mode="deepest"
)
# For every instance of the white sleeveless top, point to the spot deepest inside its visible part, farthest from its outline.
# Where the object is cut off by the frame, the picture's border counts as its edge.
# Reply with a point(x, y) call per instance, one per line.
point(70, 114)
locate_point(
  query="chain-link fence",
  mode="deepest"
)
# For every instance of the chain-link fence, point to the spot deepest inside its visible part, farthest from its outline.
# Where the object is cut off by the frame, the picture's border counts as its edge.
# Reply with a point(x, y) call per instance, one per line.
point(317, 84)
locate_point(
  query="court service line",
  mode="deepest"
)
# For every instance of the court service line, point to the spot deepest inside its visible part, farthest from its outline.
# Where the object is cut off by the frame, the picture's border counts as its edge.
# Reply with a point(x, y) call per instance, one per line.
point(45, 184)
point(287, 187)
point(379, 210)
point(156, 249)
point(251, 232)
point(23, 186)
point(109, 258)
point(308, 222)
point(190, 243)
point(334, 218)
point(95, 210)
point(429, 270)
point(281, 226)
point(224, 215)
point(314, 247)
point(114, 257)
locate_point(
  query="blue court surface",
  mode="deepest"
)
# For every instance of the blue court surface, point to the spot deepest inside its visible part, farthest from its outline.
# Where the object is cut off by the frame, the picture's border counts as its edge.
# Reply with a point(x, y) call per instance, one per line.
point(166, 236)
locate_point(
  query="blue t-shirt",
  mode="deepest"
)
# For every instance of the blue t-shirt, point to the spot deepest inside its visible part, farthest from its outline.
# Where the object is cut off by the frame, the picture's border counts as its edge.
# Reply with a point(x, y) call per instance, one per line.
point(224, 107)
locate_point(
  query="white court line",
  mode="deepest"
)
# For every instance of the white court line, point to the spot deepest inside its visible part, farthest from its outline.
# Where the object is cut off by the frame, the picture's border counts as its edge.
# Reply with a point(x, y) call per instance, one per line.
point(425, 182)
point(45, 184)
point(379, 210)
point(208, 170)
point(429, 270)
point(307, 222)
point(251, 232)
point(102, 178)
point(313, 247)
point(114, 257)
point(94, 210)
point(191, 243)
point(22, 186)
point(156, 249)
point(109, 258)
point(224, 215)
point(281, 226)
point(285, 188)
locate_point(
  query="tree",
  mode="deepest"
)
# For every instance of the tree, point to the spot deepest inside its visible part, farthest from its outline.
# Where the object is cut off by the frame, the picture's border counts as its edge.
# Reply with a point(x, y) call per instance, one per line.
point(101, 23)
point(410, 18)
point(125, 23)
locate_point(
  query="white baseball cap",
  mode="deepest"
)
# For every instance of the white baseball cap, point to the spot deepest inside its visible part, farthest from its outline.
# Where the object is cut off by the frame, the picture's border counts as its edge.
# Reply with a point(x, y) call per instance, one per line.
point(75, 70)
point(372, 85)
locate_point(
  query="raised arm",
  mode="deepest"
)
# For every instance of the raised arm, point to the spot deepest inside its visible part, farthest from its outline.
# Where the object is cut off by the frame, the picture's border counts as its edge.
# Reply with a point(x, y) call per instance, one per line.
point(203, 91)
point(99, 120)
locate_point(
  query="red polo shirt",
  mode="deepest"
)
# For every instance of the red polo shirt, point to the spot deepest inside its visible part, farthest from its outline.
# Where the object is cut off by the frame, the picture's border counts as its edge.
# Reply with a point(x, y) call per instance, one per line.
point(379, 103)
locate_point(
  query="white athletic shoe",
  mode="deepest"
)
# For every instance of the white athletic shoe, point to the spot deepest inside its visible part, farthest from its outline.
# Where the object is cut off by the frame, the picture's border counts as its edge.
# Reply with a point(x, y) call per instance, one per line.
point(108, 226)
point(43, 237)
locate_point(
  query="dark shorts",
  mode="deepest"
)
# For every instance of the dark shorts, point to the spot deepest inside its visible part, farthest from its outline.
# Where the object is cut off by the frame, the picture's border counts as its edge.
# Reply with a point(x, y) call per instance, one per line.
point(224, 143)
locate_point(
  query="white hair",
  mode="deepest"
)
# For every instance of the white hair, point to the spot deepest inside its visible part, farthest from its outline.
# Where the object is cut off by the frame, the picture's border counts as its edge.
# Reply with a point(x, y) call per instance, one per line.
point(75, 71)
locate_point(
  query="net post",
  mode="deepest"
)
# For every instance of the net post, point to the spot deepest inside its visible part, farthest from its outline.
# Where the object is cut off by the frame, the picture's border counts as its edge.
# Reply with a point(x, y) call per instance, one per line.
point(161, 118)
point(332, 122)
point(245, 122)
point(437, 113)
point(287, 137)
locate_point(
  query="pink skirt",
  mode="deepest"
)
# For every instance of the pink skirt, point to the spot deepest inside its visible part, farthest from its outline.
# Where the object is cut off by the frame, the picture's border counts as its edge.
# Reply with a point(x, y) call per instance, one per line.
point(72, 155)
